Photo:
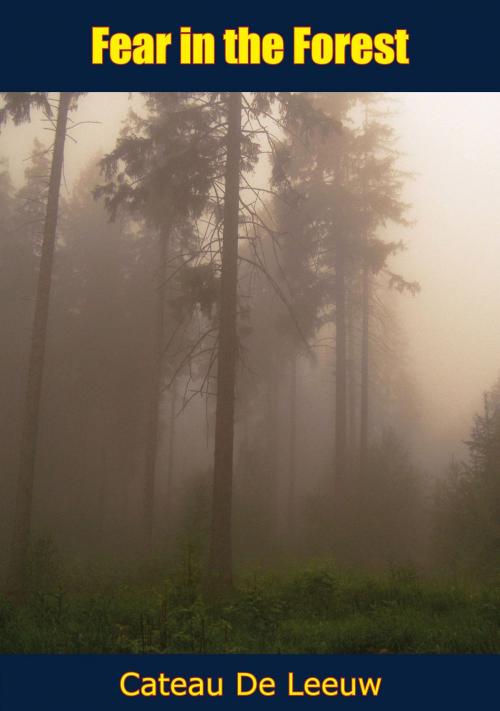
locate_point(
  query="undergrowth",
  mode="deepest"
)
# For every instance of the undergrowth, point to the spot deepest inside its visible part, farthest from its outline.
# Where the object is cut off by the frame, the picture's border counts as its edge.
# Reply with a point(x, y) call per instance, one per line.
point(318, 609)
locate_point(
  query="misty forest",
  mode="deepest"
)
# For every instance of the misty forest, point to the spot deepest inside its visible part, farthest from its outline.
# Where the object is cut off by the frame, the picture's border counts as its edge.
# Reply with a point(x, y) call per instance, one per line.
point(249, 372)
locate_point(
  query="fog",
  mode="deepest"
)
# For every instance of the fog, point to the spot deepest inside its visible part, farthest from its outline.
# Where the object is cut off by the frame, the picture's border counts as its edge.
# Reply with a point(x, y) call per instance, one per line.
point(450, 145)
point(450, 142)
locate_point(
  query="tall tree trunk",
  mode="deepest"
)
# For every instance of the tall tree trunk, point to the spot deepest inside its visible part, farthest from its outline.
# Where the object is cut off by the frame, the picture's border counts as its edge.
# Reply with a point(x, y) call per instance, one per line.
point(351, 381)
point(271, 466)
point(220, 551)
point(29, 437)
point(340, 374)
point(365, 352)
point(153, 424)
point(171, 457)
point(292, 449)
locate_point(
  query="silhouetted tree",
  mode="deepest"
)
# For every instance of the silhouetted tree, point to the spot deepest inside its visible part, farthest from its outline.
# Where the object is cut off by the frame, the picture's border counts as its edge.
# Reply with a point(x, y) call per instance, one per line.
point(160, 173)
point(467, 520)
point(19, 109)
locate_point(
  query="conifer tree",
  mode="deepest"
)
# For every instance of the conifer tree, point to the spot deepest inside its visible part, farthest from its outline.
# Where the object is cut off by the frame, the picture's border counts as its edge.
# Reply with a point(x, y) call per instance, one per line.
point(18, 108)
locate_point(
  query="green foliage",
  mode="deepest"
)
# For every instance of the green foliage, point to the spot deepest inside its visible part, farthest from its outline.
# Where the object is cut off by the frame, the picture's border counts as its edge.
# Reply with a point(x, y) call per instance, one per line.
point(316, 610)
point(467, 530)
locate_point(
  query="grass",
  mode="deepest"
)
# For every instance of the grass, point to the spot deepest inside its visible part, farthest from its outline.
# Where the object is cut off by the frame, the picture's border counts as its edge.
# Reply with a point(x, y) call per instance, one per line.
point(313, 610)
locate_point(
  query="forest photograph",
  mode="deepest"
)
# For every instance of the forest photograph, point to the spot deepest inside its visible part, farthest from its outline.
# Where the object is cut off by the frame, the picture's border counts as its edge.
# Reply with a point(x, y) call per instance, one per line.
point(249, 372)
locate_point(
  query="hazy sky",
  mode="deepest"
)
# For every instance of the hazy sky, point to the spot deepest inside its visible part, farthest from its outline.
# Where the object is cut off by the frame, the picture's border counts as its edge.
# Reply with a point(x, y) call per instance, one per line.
point(452, 143)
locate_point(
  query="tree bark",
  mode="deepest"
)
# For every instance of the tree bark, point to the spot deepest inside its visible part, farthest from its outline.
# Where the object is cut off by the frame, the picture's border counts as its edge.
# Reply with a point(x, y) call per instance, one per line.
point(365, 353)
point(171, 458)
point(292, 449)
point(220, 572)
point(340, 374)
point(29, 437)
point(153, 426)
point(351, 382)
point(271, 465)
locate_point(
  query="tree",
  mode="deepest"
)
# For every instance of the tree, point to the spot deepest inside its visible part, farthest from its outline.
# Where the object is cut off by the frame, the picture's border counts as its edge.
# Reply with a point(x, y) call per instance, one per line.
point(19, 111)
point(380, 186)
point(326, 217)
point(20, 225)
point(98, 372)
point(205, 128)
point(246, 130)
point(220, 545)
point(467, 513)
point(347, 187)
point(160, 173)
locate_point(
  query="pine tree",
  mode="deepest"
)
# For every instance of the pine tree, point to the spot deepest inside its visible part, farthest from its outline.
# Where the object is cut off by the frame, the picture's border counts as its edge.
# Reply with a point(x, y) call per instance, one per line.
point(19, 109)
point(159, 174)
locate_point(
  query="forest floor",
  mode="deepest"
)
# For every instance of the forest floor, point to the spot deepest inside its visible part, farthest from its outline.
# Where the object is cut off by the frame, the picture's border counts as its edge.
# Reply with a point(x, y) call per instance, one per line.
point(313, 610)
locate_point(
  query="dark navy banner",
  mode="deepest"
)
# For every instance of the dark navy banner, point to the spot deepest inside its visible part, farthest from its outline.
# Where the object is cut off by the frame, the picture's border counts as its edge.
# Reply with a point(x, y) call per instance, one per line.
point(140, 682)
point(50, 47)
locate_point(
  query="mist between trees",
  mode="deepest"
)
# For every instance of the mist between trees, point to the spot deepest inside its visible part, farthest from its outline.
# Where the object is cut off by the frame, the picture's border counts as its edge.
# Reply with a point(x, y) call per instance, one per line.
point(202, 342)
